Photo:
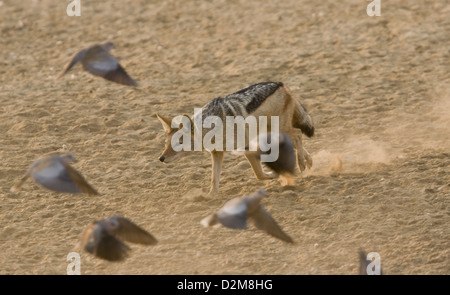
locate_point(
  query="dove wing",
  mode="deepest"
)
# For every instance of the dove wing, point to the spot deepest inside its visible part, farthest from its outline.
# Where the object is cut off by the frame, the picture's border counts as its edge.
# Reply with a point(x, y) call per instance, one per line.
point(111, 248)
point(70, 175)
point(264, 221)
point(130, 232)
point(101, 63)
point(120, 76)
point(75, 59)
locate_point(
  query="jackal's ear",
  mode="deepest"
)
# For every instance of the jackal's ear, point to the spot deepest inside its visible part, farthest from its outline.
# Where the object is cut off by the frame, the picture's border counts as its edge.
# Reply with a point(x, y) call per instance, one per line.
point(184, 122)
point(192, 122)
point(186, 115)
point(165, 122)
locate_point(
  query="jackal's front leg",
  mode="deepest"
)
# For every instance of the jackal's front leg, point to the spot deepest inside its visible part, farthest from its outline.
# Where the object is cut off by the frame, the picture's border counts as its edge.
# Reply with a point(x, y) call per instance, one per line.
point(217, 160)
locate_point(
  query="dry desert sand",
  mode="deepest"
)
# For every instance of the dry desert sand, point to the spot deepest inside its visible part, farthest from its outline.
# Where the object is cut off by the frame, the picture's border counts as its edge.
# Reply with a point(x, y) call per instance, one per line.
point(378, 89)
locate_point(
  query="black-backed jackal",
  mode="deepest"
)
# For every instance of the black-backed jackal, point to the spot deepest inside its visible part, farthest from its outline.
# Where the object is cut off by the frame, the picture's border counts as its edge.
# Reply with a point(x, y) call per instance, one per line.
point(263, 100)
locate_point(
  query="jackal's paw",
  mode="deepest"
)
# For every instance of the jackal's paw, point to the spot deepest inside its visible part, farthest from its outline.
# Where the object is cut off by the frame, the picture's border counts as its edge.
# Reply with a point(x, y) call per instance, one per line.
point(301, 164)
point(270, 175)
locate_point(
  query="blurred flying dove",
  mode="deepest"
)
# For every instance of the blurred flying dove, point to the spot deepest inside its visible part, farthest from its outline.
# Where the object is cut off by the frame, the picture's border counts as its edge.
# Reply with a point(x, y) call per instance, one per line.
point(55, 173)
point(236, 212)
point(285, 164)
point(97, 61)
point(103, 238)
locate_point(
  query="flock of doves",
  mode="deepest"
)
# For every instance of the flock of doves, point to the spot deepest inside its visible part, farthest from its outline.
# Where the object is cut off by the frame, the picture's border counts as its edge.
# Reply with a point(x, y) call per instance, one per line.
point(106, 238)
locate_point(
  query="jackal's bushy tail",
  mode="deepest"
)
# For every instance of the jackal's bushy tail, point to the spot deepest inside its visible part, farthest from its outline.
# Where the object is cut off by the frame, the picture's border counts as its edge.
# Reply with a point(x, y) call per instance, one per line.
point(303, 120)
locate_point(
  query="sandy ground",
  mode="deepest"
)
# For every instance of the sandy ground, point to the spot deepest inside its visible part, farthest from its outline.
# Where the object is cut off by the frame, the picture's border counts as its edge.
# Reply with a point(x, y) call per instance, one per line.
point(378, 89)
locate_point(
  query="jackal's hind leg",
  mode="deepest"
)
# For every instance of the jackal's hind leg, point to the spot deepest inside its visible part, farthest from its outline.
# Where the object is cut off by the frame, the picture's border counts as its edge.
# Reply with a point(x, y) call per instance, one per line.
point(308, 158)
point(301, 152)
point(257, 168)
point(304, 159)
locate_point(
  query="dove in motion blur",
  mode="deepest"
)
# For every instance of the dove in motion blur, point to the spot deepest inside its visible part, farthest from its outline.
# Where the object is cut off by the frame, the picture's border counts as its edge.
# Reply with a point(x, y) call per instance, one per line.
point(55, 173)
point(104, 238)
point(285, 164)
point(236, 212)
point(97, 61)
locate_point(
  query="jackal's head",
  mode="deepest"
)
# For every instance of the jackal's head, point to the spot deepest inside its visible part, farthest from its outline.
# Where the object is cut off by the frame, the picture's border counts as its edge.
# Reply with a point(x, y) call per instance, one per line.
point(175, 139)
